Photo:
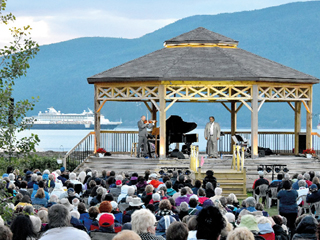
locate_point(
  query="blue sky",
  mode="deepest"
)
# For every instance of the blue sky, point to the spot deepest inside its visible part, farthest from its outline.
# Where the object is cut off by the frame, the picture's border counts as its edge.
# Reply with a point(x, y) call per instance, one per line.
point(60, 20)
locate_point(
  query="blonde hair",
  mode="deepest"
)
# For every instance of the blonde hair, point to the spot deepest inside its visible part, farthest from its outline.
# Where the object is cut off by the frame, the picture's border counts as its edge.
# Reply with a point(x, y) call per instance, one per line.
point(126, 235)
point(43, 215)
point(40, 193)
point(241, 233)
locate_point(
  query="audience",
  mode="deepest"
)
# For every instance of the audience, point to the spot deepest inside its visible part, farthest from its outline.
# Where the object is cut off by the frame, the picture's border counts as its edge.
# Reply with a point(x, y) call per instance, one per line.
point(151, 207)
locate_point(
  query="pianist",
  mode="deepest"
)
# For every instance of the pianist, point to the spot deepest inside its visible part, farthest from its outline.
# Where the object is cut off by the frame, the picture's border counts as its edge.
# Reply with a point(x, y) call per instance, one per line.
point(143, 133)
point(212, 135)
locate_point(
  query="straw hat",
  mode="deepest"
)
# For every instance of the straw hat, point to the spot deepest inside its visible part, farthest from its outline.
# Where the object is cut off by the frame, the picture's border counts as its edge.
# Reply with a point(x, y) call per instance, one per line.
point(65, 202)
point(136, 202)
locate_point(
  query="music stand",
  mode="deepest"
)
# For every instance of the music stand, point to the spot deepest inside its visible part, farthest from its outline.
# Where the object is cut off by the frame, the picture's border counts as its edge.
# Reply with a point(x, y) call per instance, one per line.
point(156, 132)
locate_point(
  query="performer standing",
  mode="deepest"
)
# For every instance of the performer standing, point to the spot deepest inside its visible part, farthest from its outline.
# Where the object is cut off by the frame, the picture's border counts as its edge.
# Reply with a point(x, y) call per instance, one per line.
point(143, 133)
point(212, 135)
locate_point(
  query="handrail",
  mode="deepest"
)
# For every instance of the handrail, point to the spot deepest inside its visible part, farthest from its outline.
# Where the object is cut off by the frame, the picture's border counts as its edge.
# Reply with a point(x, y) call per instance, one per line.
point(315, 134)
point(75, 147)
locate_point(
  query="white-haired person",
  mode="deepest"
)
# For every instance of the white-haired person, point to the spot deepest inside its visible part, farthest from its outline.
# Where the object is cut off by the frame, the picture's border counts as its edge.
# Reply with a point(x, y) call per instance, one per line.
point(59, 224)
point(217, 194)
point(36, 224)
point(126, 235)
point(143, 222)
point(241, 233)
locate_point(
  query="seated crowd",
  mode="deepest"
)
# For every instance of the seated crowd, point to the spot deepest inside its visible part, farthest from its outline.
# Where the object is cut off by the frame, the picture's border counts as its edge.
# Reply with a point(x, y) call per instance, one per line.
point(63, 205)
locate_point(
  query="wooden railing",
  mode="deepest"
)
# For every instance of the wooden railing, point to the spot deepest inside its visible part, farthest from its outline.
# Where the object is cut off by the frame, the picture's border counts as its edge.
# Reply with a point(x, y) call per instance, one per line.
point(238, 158)
point(121, 142)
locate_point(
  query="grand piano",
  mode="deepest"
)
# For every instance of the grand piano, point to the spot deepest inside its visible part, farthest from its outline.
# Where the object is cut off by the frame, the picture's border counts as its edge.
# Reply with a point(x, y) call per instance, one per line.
point(176, 132)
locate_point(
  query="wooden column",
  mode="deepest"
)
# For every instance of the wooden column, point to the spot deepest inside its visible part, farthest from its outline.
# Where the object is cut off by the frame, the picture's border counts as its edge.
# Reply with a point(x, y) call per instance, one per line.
point(297, 126)
point(162, 122)
point(254, 122)
point(309, 123)
point(96, 118)
point(233, 121)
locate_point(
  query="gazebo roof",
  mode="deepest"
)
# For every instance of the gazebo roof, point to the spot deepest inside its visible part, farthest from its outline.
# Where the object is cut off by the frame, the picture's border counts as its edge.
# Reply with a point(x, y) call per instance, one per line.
point(202, 55)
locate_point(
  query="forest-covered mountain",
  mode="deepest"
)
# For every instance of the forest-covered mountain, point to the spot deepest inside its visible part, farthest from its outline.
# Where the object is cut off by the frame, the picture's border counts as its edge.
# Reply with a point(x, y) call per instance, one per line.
point(288, 34)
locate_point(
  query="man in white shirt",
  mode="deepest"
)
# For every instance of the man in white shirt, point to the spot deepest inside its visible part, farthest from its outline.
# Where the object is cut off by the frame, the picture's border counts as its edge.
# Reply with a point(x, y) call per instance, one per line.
point(212, 135)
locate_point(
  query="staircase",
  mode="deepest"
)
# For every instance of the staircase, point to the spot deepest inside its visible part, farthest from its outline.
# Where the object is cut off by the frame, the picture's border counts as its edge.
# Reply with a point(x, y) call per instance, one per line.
point(231, 181)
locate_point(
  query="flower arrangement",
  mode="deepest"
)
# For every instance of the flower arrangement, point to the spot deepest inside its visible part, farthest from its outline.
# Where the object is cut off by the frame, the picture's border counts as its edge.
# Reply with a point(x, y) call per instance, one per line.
point(309, 151)
point(101, 150)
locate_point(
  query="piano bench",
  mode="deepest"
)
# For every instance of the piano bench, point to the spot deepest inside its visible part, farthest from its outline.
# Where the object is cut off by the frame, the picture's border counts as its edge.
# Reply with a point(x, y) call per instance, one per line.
point(133, 149)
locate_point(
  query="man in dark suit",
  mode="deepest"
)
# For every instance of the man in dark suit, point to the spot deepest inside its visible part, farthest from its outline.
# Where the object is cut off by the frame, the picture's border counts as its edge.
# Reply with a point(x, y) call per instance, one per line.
point(143, 133)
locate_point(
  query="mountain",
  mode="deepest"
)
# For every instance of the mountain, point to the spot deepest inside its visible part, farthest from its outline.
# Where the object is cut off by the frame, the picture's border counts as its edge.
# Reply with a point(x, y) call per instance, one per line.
point(288, 34)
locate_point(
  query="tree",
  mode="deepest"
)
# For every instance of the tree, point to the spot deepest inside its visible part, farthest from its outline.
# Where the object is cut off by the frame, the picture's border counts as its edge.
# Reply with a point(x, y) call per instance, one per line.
point(14, 62)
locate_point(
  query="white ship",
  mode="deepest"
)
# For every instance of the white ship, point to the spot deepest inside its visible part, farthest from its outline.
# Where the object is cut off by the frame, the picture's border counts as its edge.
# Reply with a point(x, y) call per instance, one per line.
point(53, 119)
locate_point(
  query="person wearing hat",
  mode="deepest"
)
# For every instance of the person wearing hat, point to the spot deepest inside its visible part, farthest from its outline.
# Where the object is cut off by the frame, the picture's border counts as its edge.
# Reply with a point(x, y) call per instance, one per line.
point(65, 202)
point(209, 178)
point(314, 195)
point(249, 221)
point(28, 176)
point(64, 173)
point(134, 205)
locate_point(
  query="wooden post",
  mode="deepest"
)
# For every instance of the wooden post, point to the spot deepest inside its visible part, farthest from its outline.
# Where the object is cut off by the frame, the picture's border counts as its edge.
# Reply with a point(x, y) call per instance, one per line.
point(233, 122)
point(309, 123)
point(297, 126)
point(162, 116)
point(96, 117)
point(254, 122)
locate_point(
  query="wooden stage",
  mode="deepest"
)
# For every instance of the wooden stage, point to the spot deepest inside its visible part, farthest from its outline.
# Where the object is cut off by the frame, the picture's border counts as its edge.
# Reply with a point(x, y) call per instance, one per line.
point(221, 167)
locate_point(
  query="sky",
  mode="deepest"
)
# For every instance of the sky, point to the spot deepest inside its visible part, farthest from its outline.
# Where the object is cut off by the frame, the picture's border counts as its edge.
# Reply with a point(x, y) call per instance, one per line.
point(61, 20)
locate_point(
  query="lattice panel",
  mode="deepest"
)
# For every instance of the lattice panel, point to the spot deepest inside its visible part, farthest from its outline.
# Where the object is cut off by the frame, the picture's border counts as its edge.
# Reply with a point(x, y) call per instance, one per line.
point(284, 93)
point(208, 92)
point(128, 93)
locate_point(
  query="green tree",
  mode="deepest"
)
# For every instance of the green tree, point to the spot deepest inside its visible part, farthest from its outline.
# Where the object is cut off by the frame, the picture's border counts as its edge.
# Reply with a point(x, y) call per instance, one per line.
point(14, 62)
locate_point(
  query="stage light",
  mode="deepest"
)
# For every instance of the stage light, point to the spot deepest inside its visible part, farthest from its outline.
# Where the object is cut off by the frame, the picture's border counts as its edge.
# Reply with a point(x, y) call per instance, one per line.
point(161, 172)
point(179, 172)
point(286, 170)
point(277, 169)
point(170, 171)
point(269, 169)
point(260, 168)
point(187, 172)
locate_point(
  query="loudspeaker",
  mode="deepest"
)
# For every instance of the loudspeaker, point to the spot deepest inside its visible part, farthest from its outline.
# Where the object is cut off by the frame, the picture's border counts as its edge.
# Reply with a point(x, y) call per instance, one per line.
point(262, 153)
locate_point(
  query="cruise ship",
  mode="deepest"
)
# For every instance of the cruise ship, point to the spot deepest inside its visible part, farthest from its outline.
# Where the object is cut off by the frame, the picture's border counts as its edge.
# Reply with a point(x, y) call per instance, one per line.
point(53, 119)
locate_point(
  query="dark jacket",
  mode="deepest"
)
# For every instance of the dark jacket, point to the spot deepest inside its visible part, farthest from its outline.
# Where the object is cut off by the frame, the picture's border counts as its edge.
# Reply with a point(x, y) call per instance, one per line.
point(280, 233)
point(211, 179)
point(313, 197)
point(209, 193)
point(306, 229)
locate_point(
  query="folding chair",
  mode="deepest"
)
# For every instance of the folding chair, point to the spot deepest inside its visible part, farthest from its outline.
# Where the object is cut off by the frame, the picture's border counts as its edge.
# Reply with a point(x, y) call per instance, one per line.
point(304, 205)
point(263, 189)
point(274, 193)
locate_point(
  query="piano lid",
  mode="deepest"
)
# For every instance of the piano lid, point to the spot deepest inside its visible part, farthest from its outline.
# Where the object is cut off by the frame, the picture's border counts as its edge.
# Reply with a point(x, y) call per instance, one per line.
point(175, 124)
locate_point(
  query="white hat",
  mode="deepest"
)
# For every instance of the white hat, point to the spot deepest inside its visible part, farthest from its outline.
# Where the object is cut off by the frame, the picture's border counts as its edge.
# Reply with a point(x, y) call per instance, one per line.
point(153, 175)
point(114, 204)
point(136, 202)
point(230, 216)
point(194, 196)
point(65, 202)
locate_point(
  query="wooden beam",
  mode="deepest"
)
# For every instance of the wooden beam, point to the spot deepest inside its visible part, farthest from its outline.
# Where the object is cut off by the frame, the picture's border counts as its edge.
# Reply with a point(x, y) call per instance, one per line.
point(254, 122)
point(155, 104)
point(233, 121)
point(292, 107)
point(260, 105)
point(147, 105)
point(162, 113)
point(306, 106)
point(101, 105)
point(309, 123)
point(246, 104)
point(226, 107)
point(96, 118)
point(154, 114)
point(169, 106)
point(297, 126)
point(237, 110)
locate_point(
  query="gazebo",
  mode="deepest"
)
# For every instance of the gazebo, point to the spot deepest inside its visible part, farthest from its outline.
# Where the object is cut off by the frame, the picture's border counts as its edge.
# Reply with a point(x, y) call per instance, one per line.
point(204, 66)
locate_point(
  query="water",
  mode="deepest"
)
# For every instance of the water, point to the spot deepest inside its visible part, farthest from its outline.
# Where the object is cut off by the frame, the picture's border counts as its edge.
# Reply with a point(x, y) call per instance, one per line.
point(64, 140)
